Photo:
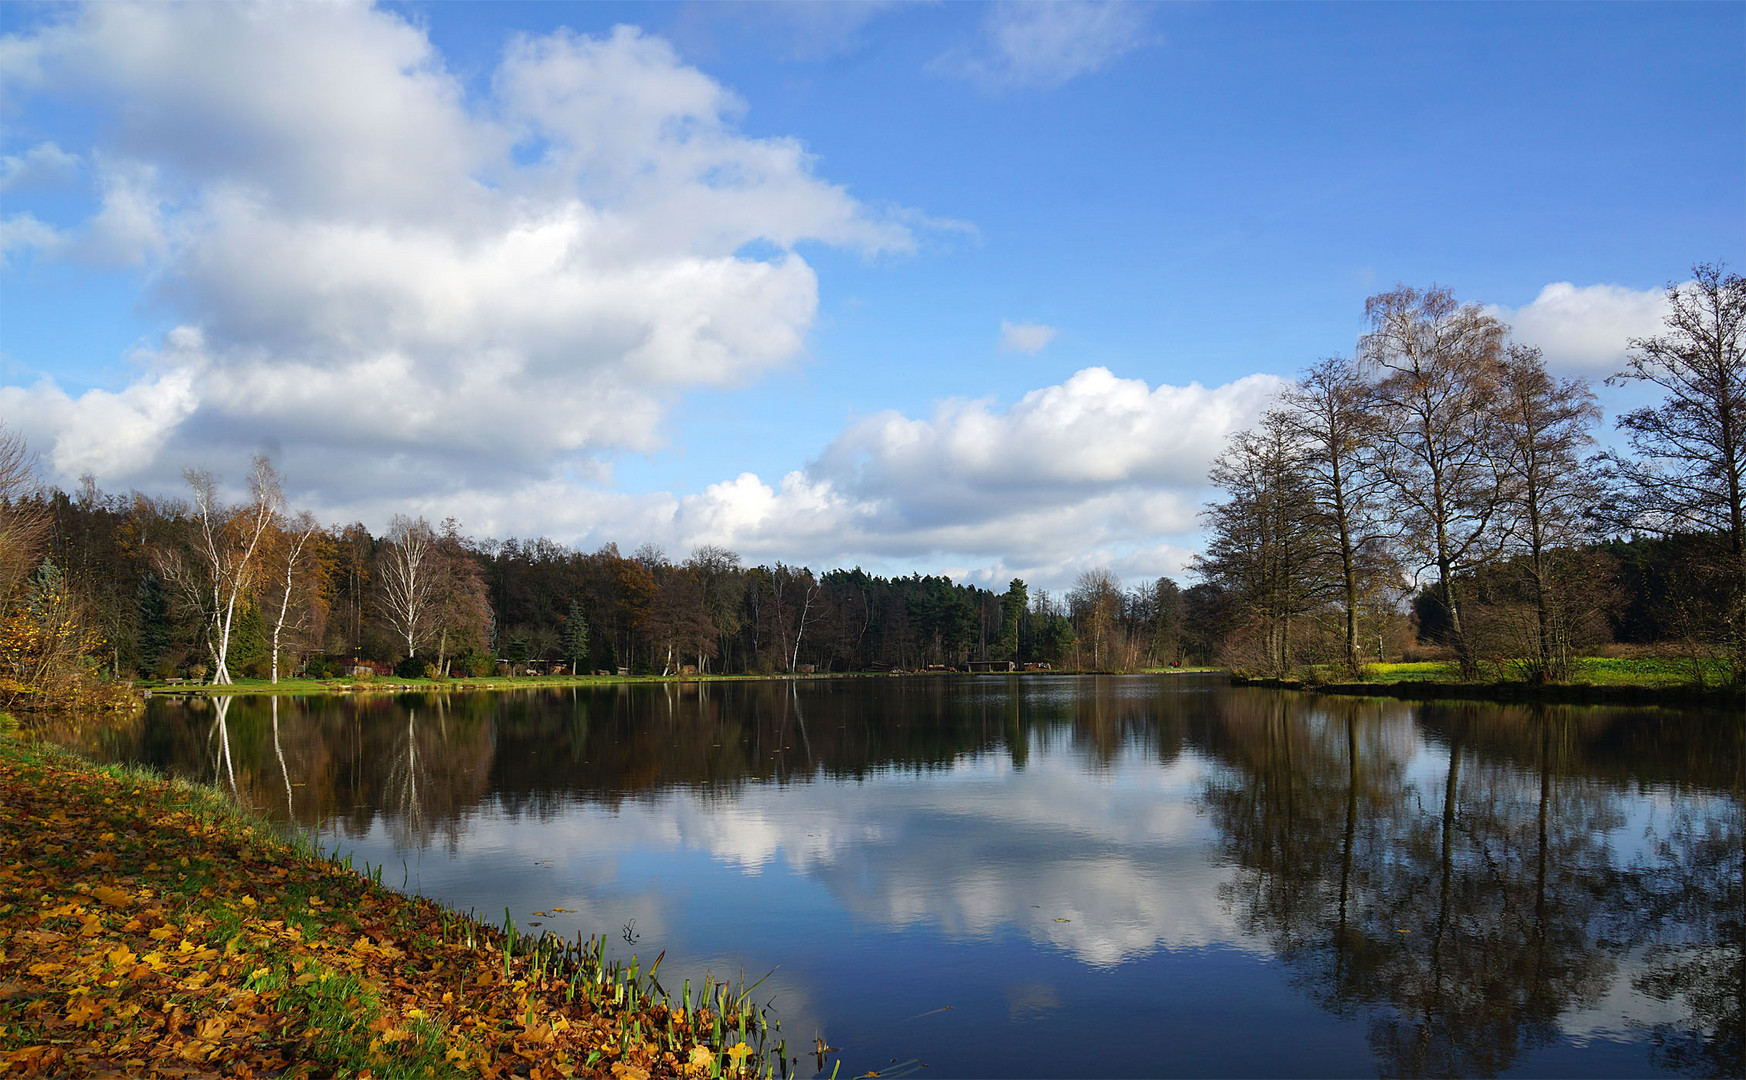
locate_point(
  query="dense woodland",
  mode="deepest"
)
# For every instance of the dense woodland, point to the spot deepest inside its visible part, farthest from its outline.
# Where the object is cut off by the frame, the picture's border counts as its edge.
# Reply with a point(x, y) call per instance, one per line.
point(1440, 453)
point(196, 588)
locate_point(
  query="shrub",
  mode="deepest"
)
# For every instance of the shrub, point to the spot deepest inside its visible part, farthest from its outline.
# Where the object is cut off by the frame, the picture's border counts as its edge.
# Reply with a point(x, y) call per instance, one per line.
point(410, 668)
point(478, 665)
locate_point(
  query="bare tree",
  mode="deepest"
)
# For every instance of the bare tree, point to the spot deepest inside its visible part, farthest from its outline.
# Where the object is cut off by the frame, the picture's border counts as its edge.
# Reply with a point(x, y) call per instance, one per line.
point(225, 543)
point(1437, 367)
point(677, 623)
point(794, 596)
point(293, 559)
point(1545, 425)
point(1689, 472)
point(405, 576)
point(1331, 413)
point(718, 574)
point(1262, 543)
point(24, 523)
point(459, 610)
point(1096, 603)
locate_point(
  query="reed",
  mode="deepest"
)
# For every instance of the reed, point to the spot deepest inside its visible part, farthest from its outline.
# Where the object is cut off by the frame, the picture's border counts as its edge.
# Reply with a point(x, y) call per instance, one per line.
point(719, 1015)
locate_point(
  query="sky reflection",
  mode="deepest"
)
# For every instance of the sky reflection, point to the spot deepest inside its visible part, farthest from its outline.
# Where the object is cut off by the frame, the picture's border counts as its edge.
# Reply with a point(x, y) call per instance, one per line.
point(984, 874)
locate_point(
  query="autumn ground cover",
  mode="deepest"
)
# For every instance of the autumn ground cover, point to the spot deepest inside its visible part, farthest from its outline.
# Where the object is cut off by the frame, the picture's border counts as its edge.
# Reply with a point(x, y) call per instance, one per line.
point(149, 928)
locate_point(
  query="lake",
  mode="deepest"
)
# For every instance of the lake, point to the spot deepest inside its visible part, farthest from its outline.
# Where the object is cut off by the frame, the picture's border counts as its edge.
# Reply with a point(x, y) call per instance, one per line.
point(1063, 876)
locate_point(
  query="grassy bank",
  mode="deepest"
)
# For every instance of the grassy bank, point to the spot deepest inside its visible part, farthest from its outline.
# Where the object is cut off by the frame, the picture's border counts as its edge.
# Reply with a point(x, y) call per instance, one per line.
point(1639, 671)
point(147, 927)
point(1637, 680)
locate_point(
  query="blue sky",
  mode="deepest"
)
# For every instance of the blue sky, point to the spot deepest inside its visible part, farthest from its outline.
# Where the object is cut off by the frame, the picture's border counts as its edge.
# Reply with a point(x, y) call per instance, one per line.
point(965, 288)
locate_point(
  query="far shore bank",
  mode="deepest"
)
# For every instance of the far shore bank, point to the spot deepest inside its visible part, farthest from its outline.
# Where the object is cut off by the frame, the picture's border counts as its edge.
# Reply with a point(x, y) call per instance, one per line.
point(1621, 691)
point(1515, 692)
point(397, 685)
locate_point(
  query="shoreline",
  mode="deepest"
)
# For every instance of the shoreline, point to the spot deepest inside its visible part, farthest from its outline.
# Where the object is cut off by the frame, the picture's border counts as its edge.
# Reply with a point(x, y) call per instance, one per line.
point(1514, 693)
point(394, 685)
point(151, 927)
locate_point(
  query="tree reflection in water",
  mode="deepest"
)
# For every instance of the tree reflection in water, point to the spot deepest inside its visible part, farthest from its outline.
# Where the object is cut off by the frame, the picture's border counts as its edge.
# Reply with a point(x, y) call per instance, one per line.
point(1466, 910)
point(1463, 880)
point(1689, 895)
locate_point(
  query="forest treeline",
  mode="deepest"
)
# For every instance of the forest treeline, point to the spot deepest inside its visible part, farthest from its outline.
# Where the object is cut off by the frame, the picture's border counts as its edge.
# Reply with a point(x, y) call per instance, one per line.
point(1443, 453)
point(1439, 452)
point(195, 587)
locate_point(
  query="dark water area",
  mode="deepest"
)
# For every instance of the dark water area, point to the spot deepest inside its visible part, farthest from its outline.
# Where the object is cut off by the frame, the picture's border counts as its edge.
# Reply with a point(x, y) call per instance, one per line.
point(1059, 876)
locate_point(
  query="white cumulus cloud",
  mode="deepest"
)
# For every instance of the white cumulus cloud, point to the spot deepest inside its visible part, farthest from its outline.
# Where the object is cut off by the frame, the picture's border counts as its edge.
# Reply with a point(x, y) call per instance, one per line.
point(1587, 329)
point(406, 287)
point(1096, 471)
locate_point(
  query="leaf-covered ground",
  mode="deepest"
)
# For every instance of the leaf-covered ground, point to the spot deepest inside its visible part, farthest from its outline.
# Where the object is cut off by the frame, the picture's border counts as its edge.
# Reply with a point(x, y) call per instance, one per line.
point(147, 929)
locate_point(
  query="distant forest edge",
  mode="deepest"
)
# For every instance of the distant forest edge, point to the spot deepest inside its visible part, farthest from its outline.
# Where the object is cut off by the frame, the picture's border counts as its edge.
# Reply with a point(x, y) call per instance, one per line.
point(1440, 453)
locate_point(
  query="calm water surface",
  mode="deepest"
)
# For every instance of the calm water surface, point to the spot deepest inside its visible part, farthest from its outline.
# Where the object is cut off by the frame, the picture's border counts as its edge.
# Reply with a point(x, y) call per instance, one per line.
point(1058, 876)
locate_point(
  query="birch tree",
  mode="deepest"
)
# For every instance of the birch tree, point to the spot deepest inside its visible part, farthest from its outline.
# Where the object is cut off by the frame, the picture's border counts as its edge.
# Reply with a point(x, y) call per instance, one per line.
point(296, 589)
point(794, 595)
point(225, 543)
point(405, 572)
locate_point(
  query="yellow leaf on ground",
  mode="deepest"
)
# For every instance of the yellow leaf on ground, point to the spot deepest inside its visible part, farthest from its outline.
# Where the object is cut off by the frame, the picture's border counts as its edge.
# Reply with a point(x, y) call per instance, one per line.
point(85, 1009)
point(193, 1050)
point(112, 897)
point(121, 956)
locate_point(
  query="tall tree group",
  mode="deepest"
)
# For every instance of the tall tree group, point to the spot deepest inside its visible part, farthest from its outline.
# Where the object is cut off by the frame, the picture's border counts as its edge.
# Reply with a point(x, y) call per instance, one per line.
point(1445, 455)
